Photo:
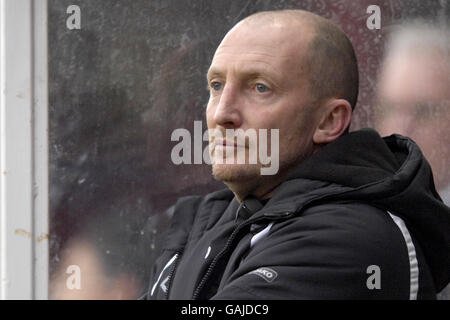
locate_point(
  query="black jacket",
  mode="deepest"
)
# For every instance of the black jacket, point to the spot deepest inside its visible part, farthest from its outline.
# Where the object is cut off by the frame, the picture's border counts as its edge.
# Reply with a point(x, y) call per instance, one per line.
point(360, 219)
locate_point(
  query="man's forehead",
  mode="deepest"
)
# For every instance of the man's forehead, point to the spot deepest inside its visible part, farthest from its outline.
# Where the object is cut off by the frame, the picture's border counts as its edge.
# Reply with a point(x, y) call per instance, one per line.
point(264, 45)
point(253, 50)
point(252, 61)
point(272, 35)
point(275, 44)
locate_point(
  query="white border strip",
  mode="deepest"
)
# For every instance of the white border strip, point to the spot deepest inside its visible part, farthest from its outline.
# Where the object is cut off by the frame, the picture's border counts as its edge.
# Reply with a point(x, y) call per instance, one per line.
point(24, 150)
point(413, 264)
point(41, 150)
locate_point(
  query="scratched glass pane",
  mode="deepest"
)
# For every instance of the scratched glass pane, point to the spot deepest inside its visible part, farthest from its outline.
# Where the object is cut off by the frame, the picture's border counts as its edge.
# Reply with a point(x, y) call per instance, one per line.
point(133, 73)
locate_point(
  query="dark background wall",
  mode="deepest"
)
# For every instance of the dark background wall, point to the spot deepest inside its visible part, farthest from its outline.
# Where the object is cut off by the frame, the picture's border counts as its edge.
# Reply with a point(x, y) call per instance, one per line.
point(133, 73)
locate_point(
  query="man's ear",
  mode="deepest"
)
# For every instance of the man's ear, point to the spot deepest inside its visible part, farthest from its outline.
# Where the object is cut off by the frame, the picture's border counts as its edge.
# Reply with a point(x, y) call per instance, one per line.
point(336, 115)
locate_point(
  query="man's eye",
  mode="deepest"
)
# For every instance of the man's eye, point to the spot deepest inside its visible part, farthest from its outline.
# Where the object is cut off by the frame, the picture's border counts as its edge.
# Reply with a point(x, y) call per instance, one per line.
point(423, 110)
point(261, 88)
point(216, 86)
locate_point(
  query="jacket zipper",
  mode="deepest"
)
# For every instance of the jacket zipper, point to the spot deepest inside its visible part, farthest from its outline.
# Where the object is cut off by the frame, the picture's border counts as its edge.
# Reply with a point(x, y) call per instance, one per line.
point(225, 250)
point(285, 216)
point(169, 279)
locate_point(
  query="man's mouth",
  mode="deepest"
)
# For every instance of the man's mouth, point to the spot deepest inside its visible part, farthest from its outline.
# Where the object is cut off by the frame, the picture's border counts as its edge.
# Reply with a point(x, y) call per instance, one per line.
point(224, 144)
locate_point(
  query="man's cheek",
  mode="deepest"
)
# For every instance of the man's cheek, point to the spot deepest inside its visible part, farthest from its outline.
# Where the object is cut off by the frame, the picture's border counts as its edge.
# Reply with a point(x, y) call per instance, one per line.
point(210, 111)
point(209, 120)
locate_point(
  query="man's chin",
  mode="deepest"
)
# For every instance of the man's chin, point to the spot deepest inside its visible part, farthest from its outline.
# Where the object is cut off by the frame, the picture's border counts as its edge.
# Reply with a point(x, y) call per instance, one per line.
point(235, 172)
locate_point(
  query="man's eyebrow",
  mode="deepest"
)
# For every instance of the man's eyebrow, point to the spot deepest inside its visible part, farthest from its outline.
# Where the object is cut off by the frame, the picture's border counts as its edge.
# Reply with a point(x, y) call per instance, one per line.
point(213, 72)
point(246, 72)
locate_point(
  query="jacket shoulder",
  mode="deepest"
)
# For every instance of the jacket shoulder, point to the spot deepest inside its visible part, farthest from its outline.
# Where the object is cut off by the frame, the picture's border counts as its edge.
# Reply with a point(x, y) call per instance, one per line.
point(189, 214)
point(330, 251)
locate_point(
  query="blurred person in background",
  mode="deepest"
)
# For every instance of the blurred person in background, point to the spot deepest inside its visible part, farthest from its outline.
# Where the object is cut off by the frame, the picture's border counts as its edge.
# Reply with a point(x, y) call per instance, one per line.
point(102, 203)
point(95, 281)
point(109, 255)
point(414, 97)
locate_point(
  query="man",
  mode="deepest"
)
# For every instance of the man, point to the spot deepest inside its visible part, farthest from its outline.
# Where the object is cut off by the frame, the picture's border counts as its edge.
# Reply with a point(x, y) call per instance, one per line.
point(346, 216)
point(413, 95)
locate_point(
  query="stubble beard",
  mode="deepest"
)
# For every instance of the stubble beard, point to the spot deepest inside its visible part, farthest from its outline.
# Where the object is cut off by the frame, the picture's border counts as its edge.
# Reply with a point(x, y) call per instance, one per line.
point(240, 178)
point(233, 173)
point(244, 179)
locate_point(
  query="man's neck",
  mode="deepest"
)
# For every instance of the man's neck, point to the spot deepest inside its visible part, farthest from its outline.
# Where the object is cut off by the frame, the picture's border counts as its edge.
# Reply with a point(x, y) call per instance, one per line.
point(262, 189)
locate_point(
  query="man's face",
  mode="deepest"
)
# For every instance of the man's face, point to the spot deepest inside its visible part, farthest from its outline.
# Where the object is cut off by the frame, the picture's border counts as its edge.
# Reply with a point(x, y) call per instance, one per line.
point(415, 100)
point(257, 81)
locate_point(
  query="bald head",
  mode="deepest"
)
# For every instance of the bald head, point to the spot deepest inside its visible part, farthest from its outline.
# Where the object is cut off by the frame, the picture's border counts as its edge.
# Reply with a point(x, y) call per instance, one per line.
point(329, 60)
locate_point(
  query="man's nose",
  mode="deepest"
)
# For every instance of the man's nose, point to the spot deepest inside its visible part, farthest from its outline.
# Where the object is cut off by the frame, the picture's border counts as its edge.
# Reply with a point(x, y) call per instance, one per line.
point(227, 112)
